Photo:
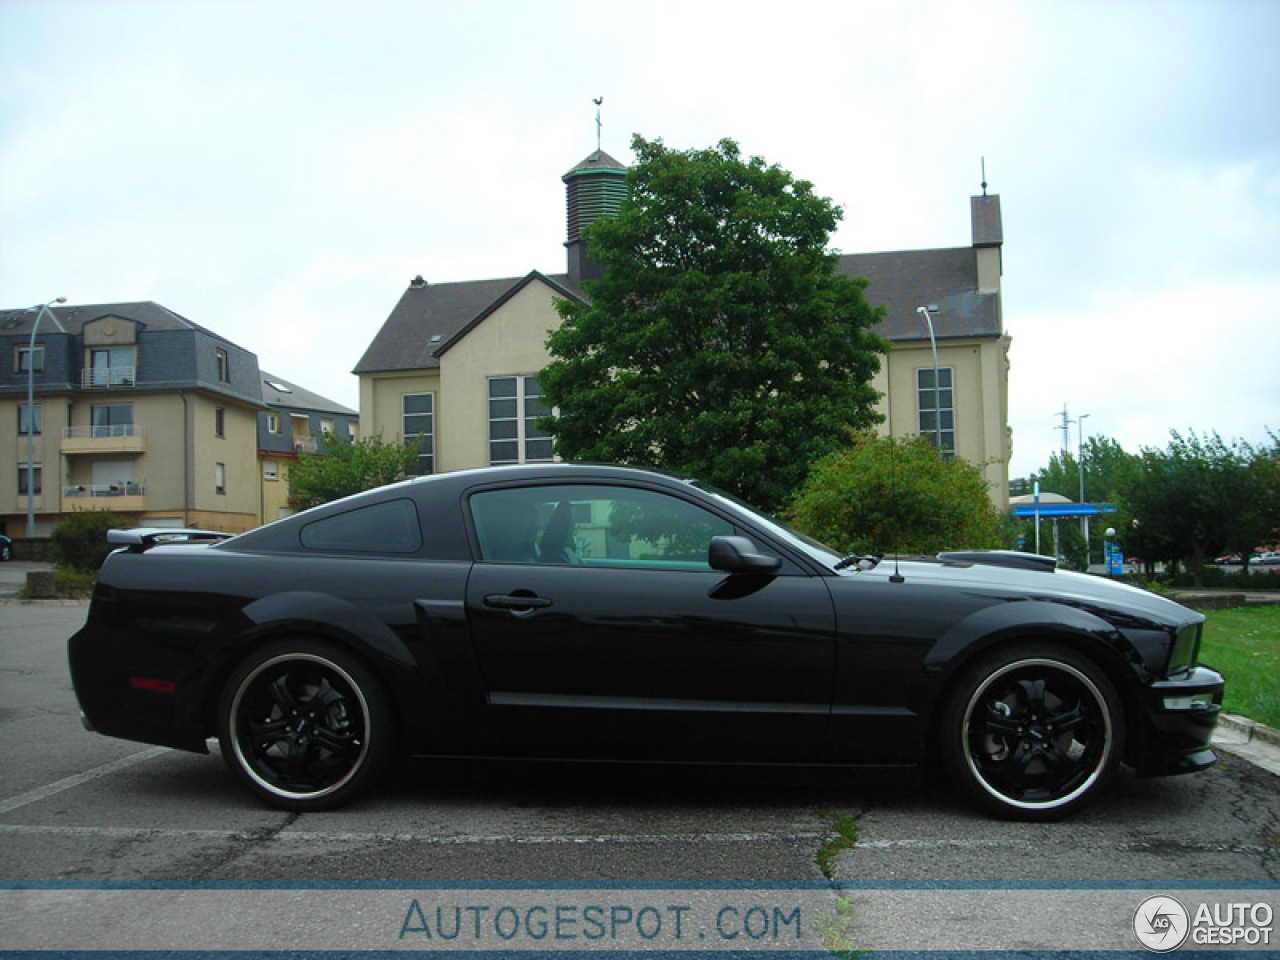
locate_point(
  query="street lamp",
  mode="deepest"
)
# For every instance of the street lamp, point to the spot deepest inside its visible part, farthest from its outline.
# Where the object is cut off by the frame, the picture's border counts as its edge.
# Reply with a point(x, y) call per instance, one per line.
point(40, 310)
point(1084, 519)
point(937, 389)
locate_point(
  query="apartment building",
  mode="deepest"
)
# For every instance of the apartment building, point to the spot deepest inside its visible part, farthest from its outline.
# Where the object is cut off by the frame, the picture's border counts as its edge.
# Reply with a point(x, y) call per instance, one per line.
point(292, 424)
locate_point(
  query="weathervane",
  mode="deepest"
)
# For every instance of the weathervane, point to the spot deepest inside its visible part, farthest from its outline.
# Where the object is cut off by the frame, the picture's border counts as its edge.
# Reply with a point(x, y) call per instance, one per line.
point(597, 101)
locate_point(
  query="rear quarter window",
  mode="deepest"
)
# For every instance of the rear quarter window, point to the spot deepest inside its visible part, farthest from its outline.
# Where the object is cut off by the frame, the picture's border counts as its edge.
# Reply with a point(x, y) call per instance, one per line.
point(390, 527)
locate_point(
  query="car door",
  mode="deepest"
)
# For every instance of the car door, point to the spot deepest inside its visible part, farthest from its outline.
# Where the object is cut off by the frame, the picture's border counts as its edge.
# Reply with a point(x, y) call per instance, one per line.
point(600, 630)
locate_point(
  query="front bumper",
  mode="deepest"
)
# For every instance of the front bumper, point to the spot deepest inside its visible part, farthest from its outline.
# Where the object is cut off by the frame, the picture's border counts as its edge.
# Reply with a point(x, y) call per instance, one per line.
point(1182, 713)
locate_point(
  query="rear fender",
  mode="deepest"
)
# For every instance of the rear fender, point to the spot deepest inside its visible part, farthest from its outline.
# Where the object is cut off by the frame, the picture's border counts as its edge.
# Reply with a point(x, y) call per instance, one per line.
point(317, 615)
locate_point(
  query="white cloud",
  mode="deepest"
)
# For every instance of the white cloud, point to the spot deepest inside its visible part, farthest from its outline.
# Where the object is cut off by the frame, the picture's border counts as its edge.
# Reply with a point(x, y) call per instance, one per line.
point(278, 171)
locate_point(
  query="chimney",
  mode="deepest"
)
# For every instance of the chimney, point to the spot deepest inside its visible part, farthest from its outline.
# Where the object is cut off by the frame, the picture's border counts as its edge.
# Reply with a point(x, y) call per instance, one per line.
point(594, 189)
point(988, 239)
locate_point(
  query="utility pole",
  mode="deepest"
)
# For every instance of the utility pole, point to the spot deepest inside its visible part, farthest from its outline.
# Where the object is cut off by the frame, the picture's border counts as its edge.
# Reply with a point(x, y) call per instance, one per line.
point(1066, 429)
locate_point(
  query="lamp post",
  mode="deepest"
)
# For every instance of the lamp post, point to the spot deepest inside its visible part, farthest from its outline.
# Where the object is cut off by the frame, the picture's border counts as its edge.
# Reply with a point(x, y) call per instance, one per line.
point(937, 389)
point(40, 310)
point(1084, 519)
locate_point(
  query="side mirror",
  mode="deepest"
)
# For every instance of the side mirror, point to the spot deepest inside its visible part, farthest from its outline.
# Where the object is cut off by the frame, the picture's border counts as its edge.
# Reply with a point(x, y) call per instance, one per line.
point(739, 555)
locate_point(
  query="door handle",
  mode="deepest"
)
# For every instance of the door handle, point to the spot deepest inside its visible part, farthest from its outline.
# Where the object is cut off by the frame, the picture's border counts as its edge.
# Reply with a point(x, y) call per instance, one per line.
point(517, 602)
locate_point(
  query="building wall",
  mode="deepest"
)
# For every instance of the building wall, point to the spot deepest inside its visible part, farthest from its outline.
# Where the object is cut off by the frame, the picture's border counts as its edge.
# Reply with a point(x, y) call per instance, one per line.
point(172, 435)
point(511, 341)
point(275, 493)
point(980, 370)
point(380, 401)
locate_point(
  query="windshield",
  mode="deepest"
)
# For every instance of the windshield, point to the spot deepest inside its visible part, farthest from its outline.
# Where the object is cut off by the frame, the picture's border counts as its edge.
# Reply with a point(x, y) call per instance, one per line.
point(794, 538)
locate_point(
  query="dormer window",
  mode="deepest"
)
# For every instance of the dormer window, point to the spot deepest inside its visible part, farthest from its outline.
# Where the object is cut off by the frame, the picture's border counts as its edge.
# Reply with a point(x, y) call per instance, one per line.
point(26, 360)
point(224, 367)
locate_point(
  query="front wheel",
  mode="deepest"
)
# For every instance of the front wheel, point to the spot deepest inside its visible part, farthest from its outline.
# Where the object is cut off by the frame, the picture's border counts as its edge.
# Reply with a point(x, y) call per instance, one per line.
point(1033, 732)
point(305, 725)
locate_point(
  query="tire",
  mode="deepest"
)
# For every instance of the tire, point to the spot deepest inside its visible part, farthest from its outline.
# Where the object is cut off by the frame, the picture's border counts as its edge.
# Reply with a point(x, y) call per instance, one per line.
point(1032, 732)
point(305, 725)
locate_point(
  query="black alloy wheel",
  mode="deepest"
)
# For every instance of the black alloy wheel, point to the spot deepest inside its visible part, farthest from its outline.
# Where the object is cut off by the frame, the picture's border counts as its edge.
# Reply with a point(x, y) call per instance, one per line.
point(305, 725)
point(1033, 733)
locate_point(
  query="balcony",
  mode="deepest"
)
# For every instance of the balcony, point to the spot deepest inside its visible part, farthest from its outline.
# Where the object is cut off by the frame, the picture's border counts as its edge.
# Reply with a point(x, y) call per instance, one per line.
point(107, 378)
point(120, 438)
point(117, 497)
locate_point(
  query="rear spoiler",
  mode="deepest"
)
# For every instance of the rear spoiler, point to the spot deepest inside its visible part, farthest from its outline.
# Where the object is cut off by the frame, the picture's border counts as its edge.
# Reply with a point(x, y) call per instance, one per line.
point(142, 539)
point(1001, 558)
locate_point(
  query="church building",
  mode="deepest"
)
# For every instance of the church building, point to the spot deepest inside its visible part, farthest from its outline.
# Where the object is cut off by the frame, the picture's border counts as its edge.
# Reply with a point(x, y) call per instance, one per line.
point(455, 366)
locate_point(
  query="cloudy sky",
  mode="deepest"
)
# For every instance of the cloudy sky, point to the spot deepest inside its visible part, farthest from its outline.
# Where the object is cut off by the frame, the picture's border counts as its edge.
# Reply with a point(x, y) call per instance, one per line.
point(279, 171)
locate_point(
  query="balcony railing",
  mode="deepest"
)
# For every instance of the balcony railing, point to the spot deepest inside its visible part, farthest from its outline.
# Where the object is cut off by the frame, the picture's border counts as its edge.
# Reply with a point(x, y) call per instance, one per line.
point(104, 378)
point(101, 431)
point(128, 489)
point(103, 439)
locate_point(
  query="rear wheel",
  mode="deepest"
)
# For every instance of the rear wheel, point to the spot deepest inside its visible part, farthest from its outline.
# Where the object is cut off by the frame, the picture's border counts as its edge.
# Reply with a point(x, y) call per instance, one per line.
point(305, 725)
point(1033, 732)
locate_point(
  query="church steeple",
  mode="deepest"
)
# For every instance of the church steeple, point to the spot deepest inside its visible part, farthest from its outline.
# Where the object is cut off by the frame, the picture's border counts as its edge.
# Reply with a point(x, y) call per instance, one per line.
point(594, 189)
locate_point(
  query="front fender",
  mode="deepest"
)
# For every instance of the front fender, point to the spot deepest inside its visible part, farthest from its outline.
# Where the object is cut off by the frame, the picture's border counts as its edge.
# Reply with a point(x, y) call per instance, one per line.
point(1042, 619)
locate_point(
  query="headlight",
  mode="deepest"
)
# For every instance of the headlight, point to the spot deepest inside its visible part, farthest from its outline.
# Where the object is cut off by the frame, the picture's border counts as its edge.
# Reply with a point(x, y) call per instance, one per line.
point(1186, 647)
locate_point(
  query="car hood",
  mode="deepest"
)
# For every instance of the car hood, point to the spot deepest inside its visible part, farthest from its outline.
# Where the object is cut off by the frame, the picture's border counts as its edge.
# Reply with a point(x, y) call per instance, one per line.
point(1096, 594)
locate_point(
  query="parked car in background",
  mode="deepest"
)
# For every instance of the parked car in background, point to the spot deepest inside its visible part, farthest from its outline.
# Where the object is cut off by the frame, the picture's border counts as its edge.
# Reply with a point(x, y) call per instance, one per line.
point(6, 548)
point(566, 612)
point(1269, 559)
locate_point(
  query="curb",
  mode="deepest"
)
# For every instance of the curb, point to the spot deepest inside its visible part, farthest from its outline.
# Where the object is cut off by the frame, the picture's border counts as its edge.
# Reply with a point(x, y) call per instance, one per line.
point(1250, 729)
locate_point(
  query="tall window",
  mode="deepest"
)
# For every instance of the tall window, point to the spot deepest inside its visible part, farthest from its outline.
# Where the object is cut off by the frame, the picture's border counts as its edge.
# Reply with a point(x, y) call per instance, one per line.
point(273, 423)
point(224, 367)
point(38, 478)
point(935, 404)
point(111, 419)
point(418, 426)
point(26, 361)
point(219, 422)
point(30, 419)
point(110, 367)
point(515, 404)
point(219, 478)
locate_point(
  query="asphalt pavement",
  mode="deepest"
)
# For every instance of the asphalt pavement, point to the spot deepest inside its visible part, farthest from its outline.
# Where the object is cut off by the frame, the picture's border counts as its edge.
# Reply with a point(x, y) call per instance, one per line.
point(122, 846)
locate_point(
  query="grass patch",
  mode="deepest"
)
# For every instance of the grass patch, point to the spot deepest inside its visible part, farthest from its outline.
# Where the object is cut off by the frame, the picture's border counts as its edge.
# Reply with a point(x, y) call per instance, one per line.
point(1243, 644)
point(844, 836)
point(67, 584)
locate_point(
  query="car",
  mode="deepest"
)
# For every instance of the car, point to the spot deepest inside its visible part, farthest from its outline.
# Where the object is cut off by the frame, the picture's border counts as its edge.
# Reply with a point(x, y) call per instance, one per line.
point(1269, 559)
point(6, 548)
point(561, 612)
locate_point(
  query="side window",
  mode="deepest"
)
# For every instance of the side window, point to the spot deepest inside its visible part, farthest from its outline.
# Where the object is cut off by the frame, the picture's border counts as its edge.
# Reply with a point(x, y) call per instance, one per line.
point(390, 527)
point(594, 525)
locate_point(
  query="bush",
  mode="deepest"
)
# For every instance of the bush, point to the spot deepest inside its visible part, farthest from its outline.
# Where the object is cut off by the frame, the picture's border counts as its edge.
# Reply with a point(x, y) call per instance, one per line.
point(883, 495)
point(80, 541)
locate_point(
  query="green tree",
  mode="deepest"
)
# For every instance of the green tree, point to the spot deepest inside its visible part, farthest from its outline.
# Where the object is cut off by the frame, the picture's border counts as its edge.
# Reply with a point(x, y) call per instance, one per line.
point(882, 495)
point(720, 342)
point(340, 468)
point(1106, 463)
point(1198, 497)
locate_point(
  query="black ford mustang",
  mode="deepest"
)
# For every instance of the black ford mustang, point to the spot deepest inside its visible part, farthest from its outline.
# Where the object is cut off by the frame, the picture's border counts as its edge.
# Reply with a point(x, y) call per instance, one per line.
point(602, 613)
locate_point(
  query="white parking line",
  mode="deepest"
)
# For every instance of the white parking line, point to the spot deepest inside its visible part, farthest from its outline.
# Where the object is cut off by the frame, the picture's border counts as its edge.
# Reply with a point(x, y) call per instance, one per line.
point(49, 790)
point(314, 836)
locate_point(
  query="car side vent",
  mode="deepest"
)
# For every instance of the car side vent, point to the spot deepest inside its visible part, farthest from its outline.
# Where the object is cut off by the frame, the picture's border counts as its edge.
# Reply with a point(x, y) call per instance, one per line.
point(1001, 558)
